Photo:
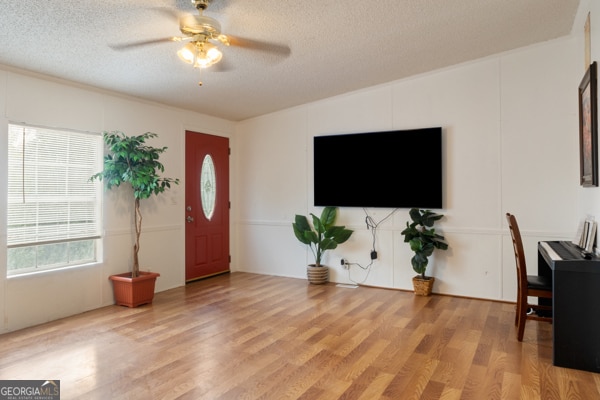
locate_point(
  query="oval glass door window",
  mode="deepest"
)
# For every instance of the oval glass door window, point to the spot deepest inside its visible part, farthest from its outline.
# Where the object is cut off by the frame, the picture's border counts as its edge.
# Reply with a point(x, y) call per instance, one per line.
point(208, 186)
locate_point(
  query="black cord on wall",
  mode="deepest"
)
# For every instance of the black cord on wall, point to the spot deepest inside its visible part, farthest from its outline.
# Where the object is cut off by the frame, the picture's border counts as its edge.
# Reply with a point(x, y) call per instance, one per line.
point(372, 225)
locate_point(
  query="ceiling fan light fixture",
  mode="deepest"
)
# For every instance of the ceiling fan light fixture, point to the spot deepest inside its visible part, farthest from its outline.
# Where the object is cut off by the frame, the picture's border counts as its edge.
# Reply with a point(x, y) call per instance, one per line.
point(208, 54)
point(200, 54)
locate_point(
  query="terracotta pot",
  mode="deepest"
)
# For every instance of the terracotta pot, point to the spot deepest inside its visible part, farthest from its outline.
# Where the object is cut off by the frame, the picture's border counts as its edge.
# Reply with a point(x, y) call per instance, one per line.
point(317, 275)
point(133, 292)
point(423, 286)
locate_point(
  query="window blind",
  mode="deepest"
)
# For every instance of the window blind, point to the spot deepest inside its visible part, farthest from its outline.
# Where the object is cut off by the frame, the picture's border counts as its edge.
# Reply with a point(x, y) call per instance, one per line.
point(50, 197)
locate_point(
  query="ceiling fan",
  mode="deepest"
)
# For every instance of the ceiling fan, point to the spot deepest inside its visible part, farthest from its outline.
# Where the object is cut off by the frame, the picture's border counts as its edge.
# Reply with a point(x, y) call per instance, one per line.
point(203, 35)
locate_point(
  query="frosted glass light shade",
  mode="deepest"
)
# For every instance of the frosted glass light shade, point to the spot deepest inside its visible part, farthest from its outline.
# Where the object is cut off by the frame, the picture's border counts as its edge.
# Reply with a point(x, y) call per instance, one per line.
point(200, 54)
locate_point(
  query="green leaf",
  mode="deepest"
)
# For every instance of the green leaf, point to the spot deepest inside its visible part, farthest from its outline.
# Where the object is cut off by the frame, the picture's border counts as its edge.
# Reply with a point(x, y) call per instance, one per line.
point(318, 224)
point(328, 216)
point(301, 223)
point(328, 244)
point(339, 233)
point(419, 263)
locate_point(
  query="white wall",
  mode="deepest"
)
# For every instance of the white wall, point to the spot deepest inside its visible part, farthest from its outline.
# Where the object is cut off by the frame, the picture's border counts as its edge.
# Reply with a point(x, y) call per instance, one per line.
point(510, 126)
point(37, 298)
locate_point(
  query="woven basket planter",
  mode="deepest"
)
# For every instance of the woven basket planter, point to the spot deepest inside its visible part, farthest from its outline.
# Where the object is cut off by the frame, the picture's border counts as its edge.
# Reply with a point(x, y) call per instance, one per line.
point(133, 292)
point(317, 275)
point(423, 286)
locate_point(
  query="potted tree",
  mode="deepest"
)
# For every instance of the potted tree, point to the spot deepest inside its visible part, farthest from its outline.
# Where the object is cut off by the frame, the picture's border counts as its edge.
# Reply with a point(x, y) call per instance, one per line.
point(131, 161)
point(423, 240)
point(323, 235)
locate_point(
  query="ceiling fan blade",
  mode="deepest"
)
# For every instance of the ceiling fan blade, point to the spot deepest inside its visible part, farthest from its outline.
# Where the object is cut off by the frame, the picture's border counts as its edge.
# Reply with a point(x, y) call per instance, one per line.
point(142, 43)
point(268, 47)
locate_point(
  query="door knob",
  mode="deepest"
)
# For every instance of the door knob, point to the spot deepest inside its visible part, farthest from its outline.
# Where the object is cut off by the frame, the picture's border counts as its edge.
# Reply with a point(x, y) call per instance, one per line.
point(189, 218)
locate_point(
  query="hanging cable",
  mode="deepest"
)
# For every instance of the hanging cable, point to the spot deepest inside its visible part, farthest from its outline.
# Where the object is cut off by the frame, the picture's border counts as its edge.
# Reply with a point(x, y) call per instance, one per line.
point(372, 225)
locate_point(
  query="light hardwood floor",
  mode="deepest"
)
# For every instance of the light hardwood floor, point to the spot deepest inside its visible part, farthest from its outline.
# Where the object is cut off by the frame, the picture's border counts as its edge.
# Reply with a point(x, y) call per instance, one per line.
point(247, 336)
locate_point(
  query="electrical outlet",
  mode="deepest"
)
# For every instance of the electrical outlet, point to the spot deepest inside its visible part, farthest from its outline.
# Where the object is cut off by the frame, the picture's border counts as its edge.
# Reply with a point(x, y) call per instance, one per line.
point(344, 263)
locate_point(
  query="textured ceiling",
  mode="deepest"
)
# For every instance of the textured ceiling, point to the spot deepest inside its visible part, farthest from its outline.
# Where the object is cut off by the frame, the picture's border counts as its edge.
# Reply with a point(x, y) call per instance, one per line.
point(336, 46)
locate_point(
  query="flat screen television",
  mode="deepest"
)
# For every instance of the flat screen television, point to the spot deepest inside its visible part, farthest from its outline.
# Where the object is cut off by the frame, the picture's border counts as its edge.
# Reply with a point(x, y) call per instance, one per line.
point(391, 169)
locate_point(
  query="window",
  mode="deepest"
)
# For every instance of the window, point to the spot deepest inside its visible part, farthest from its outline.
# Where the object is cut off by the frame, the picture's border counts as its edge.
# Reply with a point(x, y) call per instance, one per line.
point(54, 211)
point(208, 187)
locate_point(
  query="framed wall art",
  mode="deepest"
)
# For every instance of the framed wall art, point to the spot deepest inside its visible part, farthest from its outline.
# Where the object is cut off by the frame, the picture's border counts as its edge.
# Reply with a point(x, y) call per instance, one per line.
point(588, 127)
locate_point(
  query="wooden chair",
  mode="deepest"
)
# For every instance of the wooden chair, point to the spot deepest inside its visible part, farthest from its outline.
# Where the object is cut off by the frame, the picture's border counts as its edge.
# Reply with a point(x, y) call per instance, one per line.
point(528, 285)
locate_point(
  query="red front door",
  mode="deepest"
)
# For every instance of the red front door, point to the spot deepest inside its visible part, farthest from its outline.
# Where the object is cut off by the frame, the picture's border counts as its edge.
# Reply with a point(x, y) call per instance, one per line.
point(206, 205)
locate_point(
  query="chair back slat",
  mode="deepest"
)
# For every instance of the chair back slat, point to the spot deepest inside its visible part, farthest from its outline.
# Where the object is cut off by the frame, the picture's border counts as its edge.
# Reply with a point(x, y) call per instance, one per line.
point(515, 233)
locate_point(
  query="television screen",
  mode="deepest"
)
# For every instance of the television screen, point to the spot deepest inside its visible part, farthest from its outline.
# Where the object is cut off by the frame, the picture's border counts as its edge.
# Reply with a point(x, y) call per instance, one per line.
point(392, 169)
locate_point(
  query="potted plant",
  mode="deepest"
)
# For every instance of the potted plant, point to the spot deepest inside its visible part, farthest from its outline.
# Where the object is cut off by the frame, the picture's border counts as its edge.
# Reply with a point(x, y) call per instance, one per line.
point(423, 240)
point(131, 161)
point(323, 235)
